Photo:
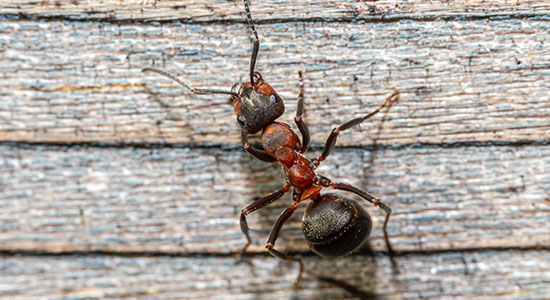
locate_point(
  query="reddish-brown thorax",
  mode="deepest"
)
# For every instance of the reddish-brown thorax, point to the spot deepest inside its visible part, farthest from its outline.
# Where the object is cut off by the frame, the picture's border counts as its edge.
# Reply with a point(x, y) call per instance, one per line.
point(281, 142)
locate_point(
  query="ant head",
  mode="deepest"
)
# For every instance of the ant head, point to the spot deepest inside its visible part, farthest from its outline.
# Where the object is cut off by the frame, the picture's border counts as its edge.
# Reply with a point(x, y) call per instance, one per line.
point(335, 226)
point(257, 105)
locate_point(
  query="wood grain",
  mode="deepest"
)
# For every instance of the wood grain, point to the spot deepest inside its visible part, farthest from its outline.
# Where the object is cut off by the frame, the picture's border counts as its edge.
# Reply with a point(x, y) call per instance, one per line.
point(188, 200)
point(118, 184)
point(460, 80)
point(219, 10)
point(456, 275)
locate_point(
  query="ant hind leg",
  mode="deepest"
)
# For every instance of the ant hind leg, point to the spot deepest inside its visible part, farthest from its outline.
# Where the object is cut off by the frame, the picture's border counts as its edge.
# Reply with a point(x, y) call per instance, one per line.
point(287, 213)
point(280, 255)
point(255, 206)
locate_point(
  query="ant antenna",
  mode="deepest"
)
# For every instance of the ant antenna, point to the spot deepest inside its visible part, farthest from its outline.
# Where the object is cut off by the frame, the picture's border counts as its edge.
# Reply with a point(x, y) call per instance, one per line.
point(193, 90)
point(256, 41)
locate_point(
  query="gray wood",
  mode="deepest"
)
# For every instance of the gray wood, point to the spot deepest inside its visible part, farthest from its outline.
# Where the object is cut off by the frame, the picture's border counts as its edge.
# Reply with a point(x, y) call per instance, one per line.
point(197, 11)
point(188, 200)
point(453, 275)
point(464, 161)
point(481, 80)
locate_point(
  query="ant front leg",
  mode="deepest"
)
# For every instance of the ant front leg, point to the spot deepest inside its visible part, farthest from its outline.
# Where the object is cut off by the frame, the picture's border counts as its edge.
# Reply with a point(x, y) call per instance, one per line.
point(257, 153)
point(255, 206)
point(374, 200)
point(299, 116)
point(287, 213)
point(331, 141)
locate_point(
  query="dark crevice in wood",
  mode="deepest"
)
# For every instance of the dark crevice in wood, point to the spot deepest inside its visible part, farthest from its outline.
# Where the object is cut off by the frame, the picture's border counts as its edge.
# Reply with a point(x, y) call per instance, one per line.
point(232, 148)
point(375, 18)
point(9, 253)
point(353, 290)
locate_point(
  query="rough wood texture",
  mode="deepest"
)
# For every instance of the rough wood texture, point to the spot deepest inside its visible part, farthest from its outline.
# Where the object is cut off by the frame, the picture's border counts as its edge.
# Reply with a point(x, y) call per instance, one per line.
point(275, 10)
point(460, 80)
point(453, 275)
point(188, 200)
point(463, 158)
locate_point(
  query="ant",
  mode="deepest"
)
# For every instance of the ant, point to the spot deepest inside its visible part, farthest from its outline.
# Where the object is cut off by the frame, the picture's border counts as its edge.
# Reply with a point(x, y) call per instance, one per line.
point(332, 224)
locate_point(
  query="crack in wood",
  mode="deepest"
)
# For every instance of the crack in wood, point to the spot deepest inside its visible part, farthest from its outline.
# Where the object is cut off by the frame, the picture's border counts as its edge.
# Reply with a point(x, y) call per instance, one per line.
point(381, 18)
point(238, 148)
point(367, 252)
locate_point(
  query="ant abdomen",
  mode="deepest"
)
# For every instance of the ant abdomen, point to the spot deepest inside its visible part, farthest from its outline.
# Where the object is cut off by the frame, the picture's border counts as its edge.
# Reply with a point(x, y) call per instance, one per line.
point(335, 226)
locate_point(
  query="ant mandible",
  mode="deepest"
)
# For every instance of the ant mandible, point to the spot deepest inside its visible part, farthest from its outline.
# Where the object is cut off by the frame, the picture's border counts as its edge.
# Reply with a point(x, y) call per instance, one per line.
point(332, 225)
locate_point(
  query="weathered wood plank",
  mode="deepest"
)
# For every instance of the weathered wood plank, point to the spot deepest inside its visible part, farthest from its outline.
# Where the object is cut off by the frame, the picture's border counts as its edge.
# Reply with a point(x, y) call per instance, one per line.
point(188, 200)
point(470, 275)
point(460, 81)
point(464, 76)
point(267, 10)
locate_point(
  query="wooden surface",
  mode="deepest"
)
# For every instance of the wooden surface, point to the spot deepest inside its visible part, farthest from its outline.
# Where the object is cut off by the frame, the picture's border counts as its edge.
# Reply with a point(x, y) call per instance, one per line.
point(83, 82)
point(120, 184)
point(450, 275)
point(187, 200)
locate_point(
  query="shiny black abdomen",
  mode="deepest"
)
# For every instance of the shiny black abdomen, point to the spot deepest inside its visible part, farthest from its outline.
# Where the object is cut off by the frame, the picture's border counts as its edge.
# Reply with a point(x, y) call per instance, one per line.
point(335, 226)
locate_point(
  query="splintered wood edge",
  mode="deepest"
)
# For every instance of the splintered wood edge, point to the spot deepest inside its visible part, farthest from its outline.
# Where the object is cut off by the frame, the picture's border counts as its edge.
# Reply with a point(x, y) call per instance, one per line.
point(70, 81)
point(478, 275)
point(198, 11)
point(184, 200)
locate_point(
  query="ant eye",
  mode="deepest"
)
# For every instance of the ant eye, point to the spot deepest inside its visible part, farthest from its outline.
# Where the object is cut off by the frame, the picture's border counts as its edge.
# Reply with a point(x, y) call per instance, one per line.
point(240, 119)
point(273, 98)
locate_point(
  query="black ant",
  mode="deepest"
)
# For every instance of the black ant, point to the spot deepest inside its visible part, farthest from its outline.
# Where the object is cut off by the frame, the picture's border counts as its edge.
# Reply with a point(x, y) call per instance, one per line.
point(333, 225)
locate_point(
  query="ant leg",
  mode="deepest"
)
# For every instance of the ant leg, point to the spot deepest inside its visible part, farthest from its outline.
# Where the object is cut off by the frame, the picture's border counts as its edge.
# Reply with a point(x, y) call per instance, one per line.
point(275, 234)
point(331, 141)
point(376, 201)
point(255, 206)
point(192, 90)
point(257, 153)
point(256, 47)
point(298, 119)
point(296, 195)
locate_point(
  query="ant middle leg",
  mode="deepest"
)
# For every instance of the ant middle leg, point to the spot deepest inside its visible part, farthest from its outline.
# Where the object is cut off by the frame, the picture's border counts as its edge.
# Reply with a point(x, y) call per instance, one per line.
point(287, 213)
point(255, 206)
point(299, 116)
point(331, 141)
